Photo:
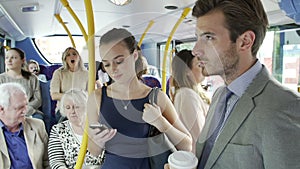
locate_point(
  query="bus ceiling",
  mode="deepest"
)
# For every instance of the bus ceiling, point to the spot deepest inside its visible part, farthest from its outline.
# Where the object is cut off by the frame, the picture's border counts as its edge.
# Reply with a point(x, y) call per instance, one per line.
point(20, 19)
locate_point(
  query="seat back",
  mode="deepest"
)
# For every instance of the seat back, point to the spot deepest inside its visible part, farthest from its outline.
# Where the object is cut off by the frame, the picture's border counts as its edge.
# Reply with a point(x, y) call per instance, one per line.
point(48, 70)
point(151, 81)
point(46, 107)
point(168, 87)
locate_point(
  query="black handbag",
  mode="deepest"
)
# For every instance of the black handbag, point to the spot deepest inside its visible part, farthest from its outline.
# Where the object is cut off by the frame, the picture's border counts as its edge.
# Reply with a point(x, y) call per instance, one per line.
point(159, 146)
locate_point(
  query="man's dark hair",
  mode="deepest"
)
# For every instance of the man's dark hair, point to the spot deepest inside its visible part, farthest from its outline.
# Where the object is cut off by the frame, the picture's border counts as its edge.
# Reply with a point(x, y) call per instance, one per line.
point(240, 16)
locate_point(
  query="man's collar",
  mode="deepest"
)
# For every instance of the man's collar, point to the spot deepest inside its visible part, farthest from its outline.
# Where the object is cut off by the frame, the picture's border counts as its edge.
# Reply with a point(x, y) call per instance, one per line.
point(2, 125)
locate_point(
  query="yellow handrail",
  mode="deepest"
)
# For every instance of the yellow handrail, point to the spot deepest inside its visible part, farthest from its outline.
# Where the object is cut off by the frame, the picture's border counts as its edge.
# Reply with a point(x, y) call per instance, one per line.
point(6, 47)
point(65, 3)
point(183, 15)
point(92, 75)
point(144, 34)
point(57, 16)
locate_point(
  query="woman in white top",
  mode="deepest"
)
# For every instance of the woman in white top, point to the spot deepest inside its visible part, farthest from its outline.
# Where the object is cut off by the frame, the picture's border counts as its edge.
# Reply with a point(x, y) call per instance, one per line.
point(190, 100)
point(71, 75)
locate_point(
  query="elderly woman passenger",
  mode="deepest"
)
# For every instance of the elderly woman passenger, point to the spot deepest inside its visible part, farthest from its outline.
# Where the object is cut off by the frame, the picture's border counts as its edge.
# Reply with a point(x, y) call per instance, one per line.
point(65, 137)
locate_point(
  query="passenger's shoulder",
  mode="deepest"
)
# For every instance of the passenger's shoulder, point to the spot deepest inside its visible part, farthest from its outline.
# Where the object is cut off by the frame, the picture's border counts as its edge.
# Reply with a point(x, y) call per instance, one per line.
point(33, 77)
point(277, 89)
point(3, 76)
point(34, 122)
point(185, 90)
point(60, 126)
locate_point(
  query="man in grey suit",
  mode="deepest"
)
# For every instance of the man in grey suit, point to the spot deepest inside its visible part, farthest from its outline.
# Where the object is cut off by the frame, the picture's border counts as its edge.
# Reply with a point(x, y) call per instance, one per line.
point(260, 128)
point(23, 140)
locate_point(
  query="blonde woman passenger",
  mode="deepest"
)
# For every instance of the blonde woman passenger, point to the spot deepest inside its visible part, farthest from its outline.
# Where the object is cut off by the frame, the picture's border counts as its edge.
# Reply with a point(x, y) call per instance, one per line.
point(190, 100)
point(72, 74)
point(125, 109)
point(66, 137)
point(15, 60)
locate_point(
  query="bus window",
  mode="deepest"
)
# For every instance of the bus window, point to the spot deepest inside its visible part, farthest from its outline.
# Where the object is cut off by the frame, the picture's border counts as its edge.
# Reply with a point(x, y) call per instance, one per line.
point(280, 53)
point(51, 47)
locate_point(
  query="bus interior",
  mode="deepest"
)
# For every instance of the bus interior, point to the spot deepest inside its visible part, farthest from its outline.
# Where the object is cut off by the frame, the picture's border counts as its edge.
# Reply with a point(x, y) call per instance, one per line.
point(38, 27)
point(43, 29)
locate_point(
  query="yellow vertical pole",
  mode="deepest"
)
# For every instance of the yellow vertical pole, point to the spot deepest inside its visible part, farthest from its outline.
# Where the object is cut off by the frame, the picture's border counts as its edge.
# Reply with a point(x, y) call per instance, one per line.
point(183, 15)
point(91, 45)
point(91, 85)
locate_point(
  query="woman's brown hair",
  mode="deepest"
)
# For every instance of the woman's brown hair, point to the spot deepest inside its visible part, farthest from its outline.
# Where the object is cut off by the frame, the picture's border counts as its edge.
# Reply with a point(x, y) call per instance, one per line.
point(24, 73)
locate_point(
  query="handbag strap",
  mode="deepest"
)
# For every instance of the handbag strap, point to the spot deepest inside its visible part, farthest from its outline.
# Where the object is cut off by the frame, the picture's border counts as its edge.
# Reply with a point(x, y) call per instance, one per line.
point(153, 95)
point(153, 131)
point(98, 93)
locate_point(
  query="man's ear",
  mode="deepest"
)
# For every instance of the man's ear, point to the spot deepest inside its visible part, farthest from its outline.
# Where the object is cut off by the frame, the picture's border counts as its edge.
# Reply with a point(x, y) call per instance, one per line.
point(246, 40)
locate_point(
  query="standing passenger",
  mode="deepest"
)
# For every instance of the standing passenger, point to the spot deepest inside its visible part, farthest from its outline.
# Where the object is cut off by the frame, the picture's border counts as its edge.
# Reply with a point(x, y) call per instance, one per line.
point(260, 124)
point(23, 141)
point(14, 62)
point(72, 74)
point(125, 109)
point(190, 99)
point(101, 76)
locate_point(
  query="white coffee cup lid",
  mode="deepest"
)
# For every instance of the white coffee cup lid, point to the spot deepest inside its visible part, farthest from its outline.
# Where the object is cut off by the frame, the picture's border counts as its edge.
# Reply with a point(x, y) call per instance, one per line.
point(183, 160)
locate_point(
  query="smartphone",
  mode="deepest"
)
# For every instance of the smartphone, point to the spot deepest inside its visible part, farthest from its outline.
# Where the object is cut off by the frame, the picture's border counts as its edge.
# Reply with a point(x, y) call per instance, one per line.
point(100, 126)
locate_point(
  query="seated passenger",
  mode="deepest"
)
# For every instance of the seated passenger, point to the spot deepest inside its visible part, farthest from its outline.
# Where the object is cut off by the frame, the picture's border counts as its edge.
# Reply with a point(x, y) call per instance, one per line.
point(190, 100)
point(23, 140)
point(72, 74)
point(14, 61)
point(33, 67)
point(65, 137)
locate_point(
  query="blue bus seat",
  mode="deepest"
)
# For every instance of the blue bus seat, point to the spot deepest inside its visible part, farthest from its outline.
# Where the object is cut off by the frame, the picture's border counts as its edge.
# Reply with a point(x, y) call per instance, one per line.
point(168, 86)
point(151, 81)
point(46, 107)
point(48, 70)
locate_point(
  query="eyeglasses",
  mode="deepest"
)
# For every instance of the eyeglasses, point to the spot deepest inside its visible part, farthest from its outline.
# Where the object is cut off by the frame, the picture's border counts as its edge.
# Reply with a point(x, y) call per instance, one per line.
point(74, 107)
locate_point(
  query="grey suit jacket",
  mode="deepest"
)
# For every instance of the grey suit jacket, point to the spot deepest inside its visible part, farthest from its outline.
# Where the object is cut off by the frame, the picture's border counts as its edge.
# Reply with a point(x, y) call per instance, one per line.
point(262, 131)
point(36, 139)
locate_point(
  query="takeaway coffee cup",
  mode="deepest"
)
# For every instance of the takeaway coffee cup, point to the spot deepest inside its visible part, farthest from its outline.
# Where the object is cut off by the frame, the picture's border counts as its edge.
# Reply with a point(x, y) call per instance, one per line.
point(182, 160)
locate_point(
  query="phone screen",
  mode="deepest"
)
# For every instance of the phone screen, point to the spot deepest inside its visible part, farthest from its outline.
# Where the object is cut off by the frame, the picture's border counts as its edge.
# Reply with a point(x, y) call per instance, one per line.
point(100, 126)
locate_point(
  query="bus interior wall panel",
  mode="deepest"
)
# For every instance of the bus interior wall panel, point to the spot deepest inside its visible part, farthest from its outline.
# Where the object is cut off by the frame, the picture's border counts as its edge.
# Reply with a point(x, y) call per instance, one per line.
point(2, 59)
point(31, 51)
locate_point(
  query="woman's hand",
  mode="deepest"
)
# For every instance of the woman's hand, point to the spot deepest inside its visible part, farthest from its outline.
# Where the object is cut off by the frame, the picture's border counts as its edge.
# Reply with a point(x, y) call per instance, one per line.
point(151, 113)
point(153, 116)
point(101, 137)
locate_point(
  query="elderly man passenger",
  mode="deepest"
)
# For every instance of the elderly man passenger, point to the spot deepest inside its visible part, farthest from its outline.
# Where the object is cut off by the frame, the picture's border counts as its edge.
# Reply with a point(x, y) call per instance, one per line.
point(23, 140)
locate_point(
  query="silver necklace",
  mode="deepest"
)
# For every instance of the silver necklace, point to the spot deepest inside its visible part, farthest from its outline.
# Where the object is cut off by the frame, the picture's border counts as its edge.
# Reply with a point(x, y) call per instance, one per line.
point(125, 106)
